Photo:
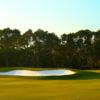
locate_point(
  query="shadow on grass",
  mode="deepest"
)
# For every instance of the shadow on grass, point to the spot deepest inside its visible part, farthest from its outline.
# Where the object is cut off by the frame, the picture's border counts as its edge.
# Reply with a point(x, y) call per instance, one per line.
point(80, 75)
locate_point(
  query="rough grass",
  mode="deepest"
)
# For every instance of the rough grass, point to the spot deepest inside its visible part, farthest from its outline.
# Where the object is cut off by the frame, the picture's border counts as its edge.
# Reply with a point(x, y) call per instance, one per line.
point(84, 85)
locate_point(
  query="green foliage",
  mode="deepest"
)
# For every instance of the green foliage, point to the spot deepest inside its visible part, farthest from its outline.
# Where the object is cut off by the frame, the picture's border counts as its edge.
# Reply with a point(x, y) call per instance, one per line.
point(44, 49)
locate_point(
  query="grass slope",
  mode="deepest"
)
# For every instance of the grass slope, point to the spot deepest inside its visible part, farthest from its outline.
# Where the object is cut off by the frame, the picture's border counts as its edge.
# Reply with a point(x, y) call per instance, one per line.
point(84, 85)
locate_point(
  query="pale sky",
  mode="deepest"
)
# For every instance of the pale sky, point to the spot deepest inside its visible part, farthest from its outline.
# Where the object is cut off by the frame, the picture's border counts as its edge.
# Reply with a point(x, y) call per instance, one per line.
point(58, 16)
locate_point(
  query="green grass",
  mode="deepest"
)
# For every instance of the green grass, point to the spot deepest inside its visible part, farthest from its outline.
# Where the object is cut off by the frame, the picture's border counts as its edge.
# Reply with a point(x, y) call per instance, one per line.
point(85, 85)
point(3, 69)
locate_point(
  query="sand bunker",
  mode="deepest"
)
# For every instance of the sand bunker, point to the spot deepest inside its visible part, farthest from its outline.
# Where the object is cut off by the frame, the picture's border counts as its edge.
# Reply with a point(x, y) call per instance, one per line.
point(38, 73)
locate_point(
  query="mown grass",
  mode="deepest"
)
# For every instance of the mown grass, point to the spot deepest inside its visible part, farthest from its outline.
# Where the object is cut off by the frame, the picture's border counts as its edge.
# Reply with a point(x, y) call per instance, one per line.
point(84, 85)
point(3, 69)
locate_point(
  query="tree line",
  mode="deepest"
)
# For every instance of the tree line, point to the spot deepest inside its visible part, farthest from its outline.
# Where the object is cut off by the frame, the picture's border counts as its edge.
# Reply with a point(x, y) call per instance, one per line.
point(41, 48)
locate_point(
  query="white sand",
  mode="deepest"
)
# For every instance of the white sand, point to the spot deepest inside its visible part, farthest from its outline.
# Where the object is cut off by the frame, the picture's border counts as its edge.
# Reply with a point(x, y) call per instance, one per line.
point(38, 73)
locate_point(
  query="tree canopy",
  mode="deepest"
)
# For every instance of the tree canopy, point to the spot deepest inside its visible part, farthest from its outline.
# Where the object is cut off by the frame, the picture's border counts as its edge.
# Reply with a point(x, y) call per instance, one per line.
point(44, 49)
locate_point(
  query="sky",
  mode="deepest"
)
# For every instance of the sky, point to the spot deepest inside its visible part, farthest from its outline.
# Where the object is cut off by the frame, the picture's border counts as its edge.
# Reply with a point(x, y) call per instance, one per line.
point(58, 16)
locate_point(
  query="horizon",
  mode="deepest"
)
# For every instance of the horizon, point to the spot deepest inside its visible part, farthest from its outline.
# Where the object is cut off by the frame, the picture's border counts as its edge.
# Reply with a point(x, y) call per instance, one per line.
point(49, 31)
point(54, 16)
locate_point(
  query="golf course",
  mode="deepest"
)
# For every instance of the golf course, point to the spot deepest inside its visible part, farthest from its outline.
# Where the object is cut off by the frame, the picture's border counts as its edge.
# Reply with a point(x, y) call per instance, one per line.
point(83, 85)
point(49, 49)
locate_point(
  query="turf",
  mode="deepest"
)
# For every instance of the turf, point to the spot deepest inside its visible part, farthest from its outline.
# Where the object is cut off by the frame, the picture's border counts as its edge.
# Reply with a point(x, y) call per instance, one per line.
point(84, 85)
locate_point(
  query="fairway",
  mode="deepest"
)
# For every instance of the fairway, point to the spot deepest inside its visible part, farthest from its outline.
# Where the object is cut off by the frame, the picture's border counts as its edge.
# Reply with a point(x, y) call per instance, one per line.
point(84, 85)
point(49, 50)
